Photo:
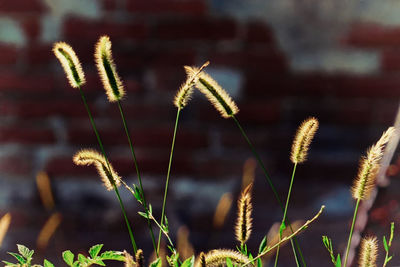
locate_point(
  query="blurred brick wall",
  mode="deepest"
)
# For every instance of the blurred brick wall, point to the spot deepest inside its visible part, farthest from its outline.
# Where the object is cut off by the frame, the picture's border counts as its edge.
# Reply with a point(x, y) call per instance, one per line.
point(282, 61)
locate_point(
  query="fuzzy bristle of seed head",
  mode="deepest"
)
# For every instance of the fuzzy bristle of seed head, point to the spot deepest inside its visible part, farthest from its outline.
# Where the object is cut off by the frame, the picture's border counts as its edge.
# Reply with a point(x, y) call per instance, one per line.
point(185, 91)
point(369, 167)
point(301, 143)
point(368, 252)
point(87, 157)
point(70, 63)
point(218, 97)
point(217, 258)
point(139, 258)
point(129, 262)
point(107, 70)
point(244, 219)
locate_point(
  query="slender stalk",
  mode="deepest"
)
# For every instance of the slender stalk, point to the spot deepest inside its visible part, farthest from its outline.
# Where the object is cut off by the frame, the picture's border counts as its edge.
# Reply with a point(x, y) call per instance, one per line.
point(108, 166)
point(351, 233)
point(284, 215)
point(138, 174)
point(294, 242)
point(168, 175)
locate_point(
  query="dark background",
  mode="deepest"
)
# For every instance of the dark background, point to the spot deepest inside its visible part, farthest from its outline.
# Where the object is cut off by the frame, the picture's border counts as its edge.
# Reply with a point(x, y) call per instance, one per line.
point(281, 60)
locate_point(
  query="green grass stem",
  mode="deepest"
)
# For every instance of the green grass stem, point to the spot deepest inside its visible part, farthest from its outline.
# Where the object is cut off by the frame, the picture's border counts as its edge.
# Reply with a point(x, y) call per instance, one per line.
point(294, 242)
point(138, 174)
point(284, 216)
point(168, 175)
point(108, 166)
point(351, 233)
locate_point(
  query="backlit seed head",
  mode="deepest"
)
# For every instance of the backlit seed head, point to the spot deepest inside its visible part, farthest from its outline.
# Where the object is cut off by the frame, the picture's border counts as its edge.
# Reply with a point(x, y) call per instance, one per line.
point(369, 168)
point(217, 258)
point(88, 157)
point(185, 92)
point(215, 93)
point(70, 63)
point(107, 70)
point(244, 220)
point(368, 252)
point(302, 141)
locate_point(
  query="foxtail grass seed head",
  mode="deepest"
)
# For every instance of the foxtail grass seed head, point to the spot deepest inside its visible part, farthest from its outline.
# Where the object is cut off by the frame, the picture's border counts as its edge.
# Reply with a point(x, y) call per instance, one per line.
point(215, 93)
point(139, 258)
point(301, 143)
point(129, 262)
point(217, 258)
point(87, 157)
point(369, 167)
point(244, 220)
point(107, 70)
point(185, 92)
point(70, 63)
point(368, 252)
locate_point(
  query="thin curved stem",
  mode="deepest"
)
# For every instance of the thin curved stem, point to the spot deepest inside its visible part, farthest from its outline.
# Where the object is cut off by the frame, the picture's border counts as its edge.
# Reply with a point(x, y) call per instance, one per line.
point(294, 242)
point(351, 233)
point(138, 175)
point(108, 166)
point(283, 226)
point(168, 175)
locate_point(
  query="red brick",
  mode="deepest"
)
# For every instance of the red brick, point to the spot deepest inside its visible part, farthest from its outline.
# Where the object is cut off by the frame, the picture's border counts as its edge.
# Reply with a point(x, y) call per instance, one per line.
point(31, 26)
point(38, 54)
point(373, 35)
point(260, 112)
point(64, 166)
point(27, 6)
point(16, 165)
point(43, 108)
point(188, 7)
point(390, 60)
point(109, 4)
point(26, 135)
point(268, 60)
point(25, 82)
point(155, 137)
point(73, 29)
point(196, 29)
point(259, 32)
point(9, 54)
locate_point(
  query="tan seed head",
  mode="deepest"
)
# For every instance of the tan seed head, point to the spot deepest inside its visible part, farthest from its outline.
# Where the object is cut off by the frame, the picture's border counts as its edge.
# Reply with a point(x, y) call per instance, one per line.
point(301, 143)
point(70, 63)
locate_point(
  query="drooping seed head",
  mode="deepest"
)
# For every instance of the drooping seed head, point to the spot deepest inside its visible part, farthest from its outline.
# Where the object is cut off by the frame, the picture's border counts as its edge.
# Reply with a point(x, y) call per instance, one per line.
point(301, 143)
point(70, 63)
point(185, 92)
point(107, 70)
point(217, 258)
point(368, 252)
point(369, 167)
point(244, 220)
point(87, 157)
point(215, 93)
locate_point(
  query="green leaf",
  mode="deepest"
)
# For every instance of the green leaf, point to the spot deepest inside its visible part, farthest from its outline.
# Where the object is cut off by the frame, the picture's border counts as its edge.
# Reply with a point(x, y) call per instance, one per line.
point(391, 233)
point(229, 262)
point(385, 244)
point(100, 262)
point(94, 251)
point(112, 255)
point(150, 209)
point(82, 258)
point(25, 252)
point(137, 193)
point(156, 263)
point(389, 258)
point(188, 262)
point(68, 257)
point(20, 259)
point(46, 263)
point(259, 262)
point(7, 263)
point(281, 228)
point(143, 214)
point(338, 262)
point(263, 245)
